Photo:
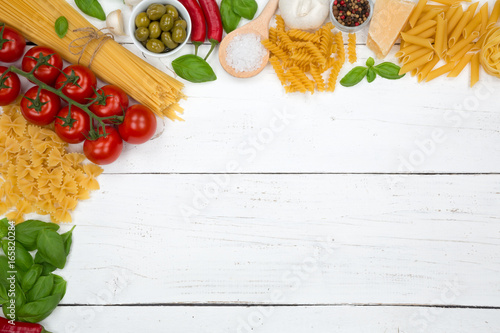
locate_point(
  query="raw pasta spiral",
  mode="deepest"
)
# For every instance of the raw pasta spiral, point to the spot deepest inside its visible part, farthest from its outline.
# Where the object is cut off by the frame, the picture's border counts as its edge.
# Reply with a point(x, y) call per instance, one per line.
point(351, 48)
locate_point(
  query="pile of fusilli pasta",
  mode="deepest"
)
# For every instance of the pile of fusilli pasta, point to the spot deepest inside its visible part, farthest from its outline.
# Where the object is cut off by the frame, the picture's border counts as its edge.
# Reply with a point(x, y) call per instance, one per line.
point(300, 58)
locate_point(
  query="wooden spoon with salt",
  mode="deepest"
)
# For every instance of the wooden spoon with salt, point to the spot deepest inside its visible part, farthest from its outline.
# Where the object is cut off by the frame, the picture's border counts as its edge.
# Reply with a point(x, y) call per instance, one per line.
point(260, 27)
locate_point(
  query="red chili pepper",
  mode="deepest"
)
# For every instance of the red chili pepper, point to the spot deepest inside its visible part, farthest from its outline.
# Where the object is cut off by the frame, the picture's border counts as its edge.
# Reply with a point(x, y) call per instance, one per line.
point(19, 327)
point(199, 30)
point(214, 22)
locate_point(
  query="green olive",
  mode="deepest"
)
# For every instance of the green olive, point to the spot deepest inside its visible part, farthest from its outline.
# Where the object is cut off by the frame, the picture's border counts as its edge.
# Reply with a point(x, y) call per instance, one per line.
point(142, 34)
point(172, 11)
point(166, 38)
point(181, 23)
point(166, 22)
point(154, 29)
point(178, 34)
point(142, 20)
point(155, 45)
point(156, 11)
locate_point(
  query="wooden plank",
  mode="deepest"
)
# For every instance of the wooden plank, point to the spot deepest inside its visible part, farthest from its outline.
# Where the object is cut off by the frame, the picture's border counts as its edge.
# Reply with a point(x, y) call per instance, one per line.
point(313, 238)
point(344, 319)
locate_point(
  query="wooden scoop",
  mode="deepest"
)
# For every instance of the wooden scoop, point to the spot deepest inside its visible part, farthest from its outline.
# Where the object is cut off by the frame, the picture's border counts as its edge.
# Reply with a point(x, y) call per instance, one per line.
point(259, 26)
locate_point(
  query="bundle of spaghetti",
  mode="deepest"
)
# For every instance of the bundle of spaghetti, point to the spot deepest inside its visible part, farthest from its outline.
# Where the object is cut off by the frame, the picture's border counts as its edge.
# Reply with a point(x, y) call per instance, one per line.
point(37, 174)
point(301, 59)
point(452, 35)
point(110, 61)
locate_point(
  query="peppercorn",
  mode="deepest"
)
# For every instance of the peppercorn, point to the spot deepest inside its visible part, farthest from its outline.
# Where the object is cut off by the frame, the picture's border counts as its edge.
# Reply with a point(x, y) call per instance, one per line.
point(351, 13)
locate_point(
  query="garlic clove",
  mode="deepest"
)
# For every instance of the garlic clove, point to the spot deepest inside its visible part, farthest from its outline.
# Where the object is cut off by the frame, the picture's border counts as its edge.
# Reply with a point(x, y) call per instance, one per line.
point(131, 3)
point(114, 23)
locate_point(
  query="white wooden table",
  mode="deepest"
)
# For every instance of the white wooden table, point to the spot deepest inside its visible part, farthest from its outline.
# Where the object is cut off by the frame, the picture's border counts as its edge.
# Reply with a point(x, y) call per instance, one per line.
point(372, 209)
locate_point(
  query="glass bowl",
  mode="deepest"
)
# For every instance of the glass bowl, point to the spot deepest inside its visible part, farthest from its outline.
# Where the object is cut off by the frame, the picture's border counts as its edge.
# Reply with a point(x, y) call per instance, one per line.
point(344, 28)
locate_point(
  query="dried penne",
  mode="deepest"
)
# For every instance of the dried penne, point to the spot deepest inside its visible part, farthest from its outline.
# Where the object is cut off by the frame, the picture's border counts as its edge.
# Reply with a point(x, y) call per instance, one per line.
point(421, 28)
point(431, 15)
point(416, 12)
point(474, 69)
point(440, 71)
point(463, 43)
point(422, 74)
point(473, 24)
point(461, 53)
point(457, 32)
point(441, 44)
point(484, 18)
point(453, 21)
point(461, 65)
point(424, 42)
point(495, 14)
point(428, 33)
point(407, 50)
point(416, 63)
point(415, 55)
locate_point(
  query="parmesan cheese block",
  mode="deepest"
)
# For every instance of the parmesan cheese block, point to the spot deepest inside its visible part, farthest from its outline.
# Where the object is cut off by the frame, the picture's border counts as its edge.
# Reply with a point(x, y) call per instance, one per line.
point(389, 18)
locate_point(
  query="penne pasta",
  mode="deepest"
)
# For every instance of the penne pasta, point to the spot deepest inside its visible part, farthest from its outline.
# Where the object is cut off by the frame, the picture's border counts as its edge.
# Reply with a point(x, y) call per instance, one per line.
point(457, 32)
point(484, 18)
point(463, 43)
point(474, 69)
point(424, 42)
point(479, 44)
point(450, 2)
point(441, 43)
point(416, 63)
point(417, 12)
point(430, 7)
point(457, 16)
point(451, 11)
point(428, 33)
point(422, 74)
point(495, 14)
point(421, 28)
point(407, 50)
point(415, 55)
point(440, 71)
point(474, 23)
point(461, 65)
point(461, 53)
point(431, 15)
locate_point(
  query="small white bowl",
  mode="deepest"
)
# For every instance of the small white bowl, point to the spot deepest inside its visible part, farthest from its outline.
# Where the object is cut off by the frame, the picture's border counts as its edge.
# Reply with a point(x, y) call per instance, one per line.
point(142, 7)
point(344, 28)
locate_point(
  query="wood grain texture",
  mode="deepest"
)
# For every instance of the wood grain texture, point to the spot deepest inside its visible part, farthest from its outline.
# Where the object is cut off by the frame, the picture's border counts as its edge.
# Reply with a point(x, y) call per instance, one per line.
point(317, 239)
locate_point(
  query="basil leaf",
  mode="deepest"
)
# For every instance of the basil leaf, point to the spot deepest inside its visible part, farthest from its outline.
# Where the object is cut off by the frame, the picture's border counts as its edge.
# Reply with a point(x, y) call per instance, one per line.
point(59, 286)
point(27, 232)
point(67, 238)
point(61, 26)
point(92, 8)
point(388, 70)
point(193, 68)
point(230, 19)
point(47, 268)
point(245, 8)
point(51, 246)
point(38, 310)
point(42, 288)
point(371, 75)
point(354, 76)
point(3, 295)
point(370, 62)
point(29, 279)
point(4, 228)
point(24, 259)
point(4, 269)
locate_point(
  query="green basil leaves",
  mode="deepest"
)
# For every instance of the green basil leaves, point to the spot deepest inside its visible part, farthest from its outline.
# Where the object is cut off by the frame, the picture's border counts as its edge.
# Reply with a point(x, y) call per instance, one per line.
point(51, 247)
point(61, 26)
point(230, 19)
point(245, 8)
point(92, 8)
point(387, 70)
point(193, 68)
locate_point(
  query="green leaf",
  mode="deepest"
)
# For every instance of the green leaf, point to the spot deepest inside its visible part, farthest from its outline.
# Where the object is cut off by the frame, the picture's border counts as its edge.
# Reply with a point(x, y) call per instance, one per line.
point(371, 75)
point(67, 238)
point(193, 68)
point(29, 279)
point(4, 228)
point(27, 232)
point(51, 246)
point(245, 8)
point(23, 258)
point(370, 62)
point(3, 295)
point(4, 269)
point(92, 8)
point(59, 286)
point(47, 268)
point(61, 26)
point(388, 70)
point(230, 19)
point(354, 76)
point(38, 310)
point(42, 288)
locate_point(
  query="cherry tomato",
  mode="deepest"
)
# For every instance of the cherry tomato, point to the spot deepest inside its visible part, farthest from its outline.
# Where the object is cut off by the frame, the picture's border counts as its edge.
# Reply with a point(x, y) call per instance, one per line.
point(80, 128)
point(12, 44)
point(41, 111)
point(10, 86)
point(44, 73)
point(104, 150)
point(139, 124)
point(113, 102)
point(85, 83)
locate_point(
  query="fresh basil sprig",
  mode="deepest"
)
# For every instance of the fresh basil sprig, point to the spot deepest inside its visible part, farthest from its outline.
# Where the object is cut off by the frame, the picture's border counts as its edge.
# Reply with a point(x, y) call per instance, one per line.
point(230, 19)
point(61, 26)
point(193, 68)
point(387, 70)
point(245, 8)
point(92, 8)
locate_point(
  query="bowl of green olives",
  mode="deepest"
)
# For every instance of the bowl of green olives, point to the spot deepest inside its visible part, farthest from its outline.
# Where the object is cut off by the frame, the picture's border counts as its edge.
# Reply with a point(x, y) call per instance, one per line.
point(160, 27)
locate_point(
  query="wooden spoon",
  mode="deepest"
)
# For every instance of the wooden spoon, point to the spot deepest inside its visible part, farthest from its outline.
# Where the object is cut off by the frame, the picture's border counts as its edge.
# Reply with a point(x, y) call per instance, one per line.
point(259, 26)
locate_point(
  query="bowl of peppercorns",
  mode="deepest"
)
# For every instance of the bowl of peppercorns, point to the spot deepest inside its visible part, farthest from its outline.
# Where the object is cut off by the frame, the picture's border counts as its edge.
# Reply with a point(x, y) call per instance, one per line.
point(351, 15)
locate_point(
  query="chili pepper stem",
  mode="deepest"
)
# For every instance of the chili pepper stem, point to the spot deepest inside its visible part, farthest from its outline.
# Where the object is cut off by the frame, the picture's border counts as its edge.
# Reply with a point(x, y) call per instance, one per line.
point(196, 46)
point(214, 44)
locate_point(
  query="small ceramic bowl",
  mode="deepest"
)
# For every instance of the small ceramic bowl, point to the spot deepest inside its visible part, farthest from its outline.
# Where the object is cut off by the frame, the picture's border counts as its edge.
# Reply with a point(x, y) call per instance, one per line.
point(142, 7)
point(344, 28)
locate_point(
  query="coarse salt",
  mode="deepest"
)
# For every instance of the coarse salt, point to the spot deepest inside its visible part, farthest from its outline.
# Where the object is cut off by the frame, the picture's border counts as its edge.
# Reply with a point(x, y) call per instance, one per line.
point(245, 53)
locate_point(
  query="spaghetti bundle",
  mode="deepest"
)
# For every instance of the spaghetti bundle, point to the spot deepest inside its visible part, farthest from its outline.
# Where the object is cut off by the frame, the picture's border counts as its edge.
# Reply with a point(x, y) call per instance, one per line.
point(110, 61)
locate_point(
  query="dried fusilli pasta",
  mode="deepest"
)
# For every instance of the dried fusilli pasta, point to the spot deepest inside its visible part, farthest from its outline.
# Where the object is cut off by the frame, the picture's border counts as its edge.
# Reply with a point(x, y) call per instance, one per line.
point(351, 48)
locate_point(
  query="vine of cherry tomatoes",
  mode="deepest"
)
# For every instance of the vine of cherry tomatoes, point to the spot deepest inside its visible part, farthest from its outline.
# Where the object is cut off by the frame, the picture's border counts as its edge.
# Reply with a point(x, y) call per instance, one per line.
point(69, 98)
